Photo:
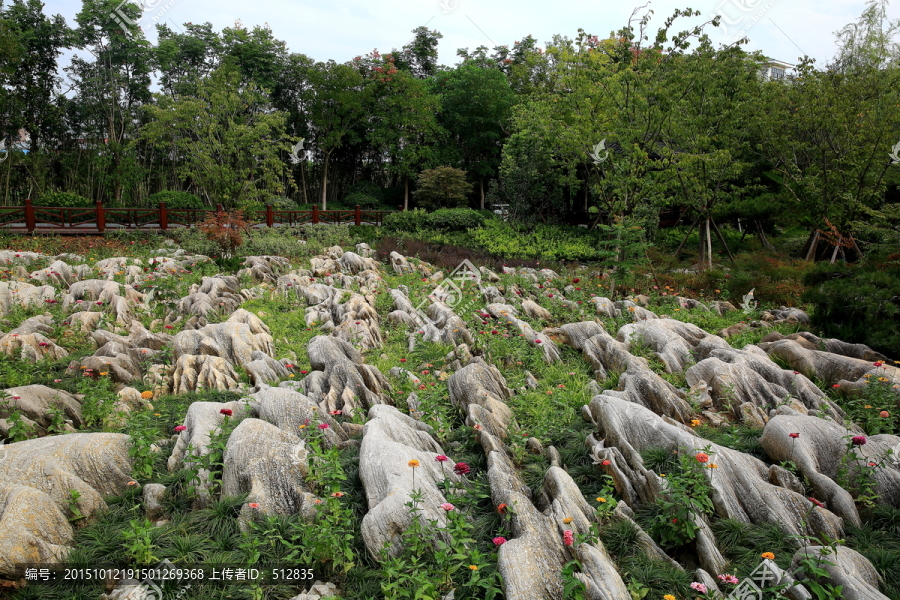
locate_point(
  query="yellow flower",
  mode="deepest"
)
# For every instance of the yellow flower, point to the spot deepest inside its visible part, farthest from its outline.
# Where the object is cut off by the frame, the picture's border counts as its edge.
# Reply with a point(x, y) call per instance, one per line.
point(601, 499)
point(662, 474)
point(157, 415)
point(867, 375)
point(668, 597)
point(695, 422)
point(303, 426)
point(867, 406)
point(475, 568)
point(882, 379)
point(413, 463)
point(631, 308)
point(567, 520)
point(768, 555)
point(713, 466)
point(146, 395)
point(103, 373)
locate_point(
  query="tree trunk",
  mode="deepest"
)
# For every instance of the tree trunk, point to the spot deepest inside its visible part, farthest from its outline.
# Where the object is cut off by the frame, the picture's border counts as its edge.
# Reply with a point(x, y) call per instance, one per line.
point(405, 192)
point(325, 182)
point(684, 241)
point(722, 239)
point(303, 181)
point(481, 188)
point(811, 253)
point(762, 237)
point(708, 242)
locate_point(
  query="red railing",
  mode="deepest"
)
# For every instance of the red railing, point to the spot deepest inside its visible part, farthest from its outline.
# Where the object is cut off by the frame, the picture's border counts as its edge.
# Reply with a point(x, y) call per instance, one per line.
point(99, 219)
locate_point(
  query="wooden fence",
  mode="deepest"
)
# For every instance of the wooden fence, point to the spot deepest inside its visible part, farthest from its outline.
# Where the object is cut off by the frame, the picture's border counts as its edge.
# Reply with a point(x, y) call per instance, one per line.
point(99, 219)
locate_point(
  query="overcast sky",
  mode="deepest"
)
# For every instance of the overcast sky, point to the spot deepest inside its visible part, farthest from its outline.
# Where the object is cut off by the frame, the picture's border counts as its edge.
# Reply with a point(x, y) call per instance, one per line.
point(781, 29)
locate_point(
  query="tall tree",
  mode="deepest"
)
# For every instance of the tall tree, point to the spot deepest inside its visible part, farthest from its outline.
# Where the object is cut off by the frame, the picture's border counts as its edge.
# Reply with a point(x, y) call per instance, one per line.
point(476, 104)
point(184, 59)
point(870, 42)
point(228, 137)
point(337, 104)
point(111, 89)
point(34, 84)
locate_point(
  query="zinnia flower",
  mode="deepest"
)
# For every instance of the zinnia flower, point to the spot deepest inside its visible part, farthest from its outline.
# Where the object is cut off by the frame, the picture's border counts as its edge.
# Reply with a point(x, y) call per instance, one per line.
point(702, 457)
point(668, 597)
point(146, 395)
point(227, 412)
point(253, 505)
point(567, 520)
point(413, 463)
point(499, 540)
point(699, 587)
point(794, 435)
point(461, 468)
point(441, 458)
point(877, 364)
point(335, 412)
point(858, 440)
point(337, 494)
point(501, 508)
point(728, 578)
point(473, 567)
point(768, 555)
point(606, 463)
point(323, 425)
point(447, 506)
point(180, 428)
point(884, 414)
point(568, 540)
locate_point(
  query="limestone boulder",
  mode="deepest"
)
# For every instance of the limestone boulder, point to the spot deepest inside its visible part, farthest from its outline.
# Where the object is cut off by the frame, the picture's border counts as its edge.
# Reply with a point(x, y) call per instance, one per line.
point(480, 392)
point(847, 568)
point(390, 441)
point(36, 401)
point(195, 372)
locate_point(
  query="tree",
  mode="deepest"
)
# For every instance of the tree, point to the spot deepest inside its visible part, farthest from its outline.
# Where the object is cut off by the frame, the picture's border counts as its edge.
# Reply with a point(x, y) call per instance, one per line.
point(184, 59)
point(110, 90)
point(227, 136)
point(868, 43)
point(420, 56)
point(337, 104)
point(476, 104)
point(402, 124)
point(34, 84)
point(442, 187)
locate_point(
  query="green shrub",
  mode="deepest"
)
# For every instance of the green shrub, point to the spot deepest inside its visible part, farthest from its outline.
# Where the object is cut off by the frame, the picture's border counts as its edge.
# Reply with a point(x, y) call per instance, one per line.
point(361, 200)
point(409, 220)
point(857, 303)
point(282, 203)
point(277, 241)
point(442, 187)
point(367, 188)
point(175, 199)
point(455, 219)
point(325, 234)
point(194, 241)
point(63, 199)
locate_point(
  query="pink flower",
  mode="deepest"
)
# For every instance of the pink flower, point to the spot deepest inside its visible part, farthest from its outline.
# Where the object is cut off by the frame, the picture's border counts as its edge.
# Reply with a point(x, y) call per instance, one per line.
point(335, 412)
point(499, 540)
point(441, 458)
point(537, 341)
point(461, 468)
point(180, 428)
point(698, 587)
point(323, 425)
point(253, 505)
point(605, 463)
point(816, 502)
point(567, 537)
point(729, 578)
point(447, 506)
point(858, 440)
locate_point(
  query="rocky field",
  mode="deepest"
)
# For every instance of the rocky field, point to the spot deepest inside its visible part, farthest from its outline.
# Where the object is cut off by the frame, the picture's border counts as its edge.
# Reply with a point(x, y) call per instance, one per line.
point(360, 426)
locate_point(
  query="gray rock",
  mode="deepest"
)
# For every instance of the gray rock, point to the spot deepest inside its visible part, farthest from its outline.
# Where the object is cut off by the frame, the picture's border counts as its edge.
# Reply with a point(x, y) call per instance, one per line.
point(848, 568)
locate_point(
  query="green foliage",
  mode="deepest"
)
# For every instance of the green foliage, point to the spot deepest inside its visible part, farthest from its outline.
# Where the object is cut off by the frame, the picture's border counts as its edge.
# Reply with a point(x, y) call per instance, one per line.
point(857, 303)
point(362, 200)
point(64, 199)
point(454, 219)
point(688, 491)
point(324, 235)
point(276, 241)
point(543, 242)
point(407, 220)
point(442, 187)
point(175, 199)
point(138, 541)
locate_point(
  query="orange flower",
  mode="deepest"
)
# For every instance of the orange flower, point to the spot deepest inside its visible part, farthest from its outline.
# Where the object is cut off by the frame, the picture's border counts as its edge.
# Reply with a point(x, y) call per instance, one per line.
point(702, 457)
point(501, 509)
point(146, 395)
point(768, 555)
point(413, 463)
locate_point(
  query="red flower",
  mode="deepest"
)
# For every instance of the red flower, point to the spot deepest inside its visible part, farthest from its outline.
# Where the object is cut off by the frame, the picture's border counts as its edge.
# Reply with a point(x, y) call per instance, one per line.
point(323, 425)
point(837, 385)
point(441, 458)
point(253, 505)
point(461, 468)
point(858, 440)
point(499, 541)
point(576, 280)
point(501, 508)
point(816, 502)
point(537, 341)
point(180, 428)
point(702, 457)
point(606, 463)
point(567, 537)
point(227, 412)
point(878, 364)
point(674, 520)
point(402, 360)
point(794, 435)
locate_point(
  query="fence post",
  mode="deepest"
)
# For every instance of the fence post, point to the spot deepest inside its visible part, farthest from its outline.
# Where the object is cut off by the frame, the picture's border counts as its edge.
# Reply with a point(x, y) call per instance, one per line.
point(101, 217)
point(29, 216)
point(315, 213)
point(270, 216)
point(358, 216)
point(163, 216)
point(220, 208)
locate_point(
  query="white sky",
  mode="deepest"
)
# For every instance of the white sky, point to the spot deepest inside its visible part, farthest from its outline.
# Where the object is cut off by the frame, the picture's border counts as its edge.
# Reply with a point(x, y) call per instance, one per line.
point(782, 29)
